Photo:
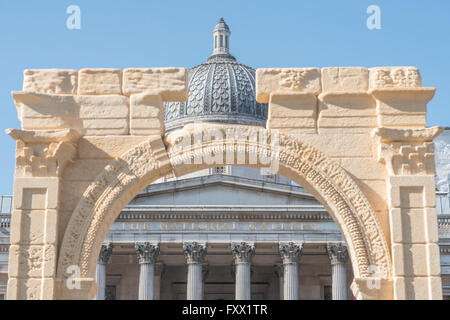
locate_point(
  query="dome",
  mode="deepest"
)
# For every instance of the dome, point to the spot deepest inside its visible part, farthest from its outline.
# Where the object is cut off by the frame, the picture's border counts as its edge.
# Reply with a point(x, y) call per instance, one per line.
point(220, 90)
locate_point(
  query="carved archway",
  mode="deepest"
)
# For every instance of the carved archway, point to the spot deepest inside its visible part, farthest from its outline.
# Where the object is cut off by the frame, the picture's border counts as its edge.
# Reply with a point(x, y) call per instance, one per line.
point(125, 176)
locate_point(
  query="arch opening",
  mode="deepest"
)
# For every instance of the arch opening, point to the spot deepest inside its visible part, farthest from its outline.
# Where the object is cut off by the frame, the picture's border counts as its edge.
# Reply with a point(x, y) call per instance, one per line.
point(125, 177)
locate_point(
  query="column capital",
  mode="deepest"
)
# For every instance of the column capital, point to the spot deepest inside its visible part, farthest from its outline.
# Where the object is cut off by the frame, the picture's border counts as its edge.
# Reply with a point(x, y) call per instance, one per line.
point(105, 253)
point(290, 251)
point(147, 252)
point(194, 252)
point(242, 251)
point(337, 252)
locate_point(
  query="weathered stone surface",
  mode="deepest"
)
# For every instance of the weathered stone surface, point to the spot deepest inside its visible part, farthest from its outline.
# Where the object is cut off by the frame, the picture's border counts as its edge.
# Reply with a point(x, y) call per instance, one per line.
point(286, 81)
point(292, 111)
point(394, 77)
point(345, 79)
point(100, 81)
point(414, 260)
point(56, 81)
point(147, 114)
point(89, 115)
point(170, 83)
point(107, 147)
point(417, 288)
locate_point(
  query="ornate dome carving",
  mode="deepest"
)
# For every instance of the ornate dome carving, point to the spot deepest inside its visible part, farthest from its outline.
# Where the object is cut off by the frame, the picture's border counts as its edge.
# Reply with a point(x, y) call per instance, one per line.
point(220, 90)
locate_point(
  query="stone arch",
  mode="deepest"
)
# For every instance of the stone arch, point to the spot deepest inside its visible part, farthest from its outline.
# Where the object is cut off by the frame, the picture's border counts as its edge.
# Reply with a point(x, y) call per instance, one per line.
point(125, 176)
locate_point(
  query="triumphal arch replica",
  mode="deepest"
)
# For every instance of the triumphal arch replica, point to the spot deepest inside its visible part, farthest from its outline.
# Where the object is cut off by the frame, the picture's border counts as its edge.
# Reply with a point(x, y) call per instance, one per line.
point(355, 138)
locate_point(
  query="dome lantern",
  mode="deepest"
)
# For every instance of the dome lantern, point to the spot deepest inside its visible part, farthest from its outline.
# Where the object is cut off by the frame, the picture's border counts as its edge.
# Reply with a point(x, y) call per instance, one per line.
point(221, 36)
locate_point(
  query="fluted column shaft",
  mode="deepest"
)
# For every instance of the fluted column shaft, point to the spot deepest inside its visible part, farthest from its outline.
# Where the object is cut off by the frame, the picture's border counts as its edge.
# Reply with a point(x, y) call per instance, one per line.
point(290, 254)
point(194, 253)
point(337, 253)
point(242, 254)
point(147, 254)
point(194, 282)
point(100, 273)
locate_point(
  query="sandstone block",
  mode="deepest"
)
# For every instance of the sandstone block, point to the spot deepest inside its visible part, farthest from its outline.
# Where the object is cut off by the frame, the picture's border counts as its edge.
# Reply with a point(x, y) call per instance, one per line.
point(413, 225)
point(29, 193)
point(394, 77)
point(292, 111)
point(286, 81)
point(417, 288)
point(170, 83)
point(415, 260)
point(100, 81)
point(147, 114)
point(58, 81)
point(90, 115)
point(103, 107)
point(36, 227)
point(350, 144)
point(411, 191)
point(33, 261)
point(399, 107)
point(84, 169)
point(31, 289)
point(107, 147)
point(345, 79)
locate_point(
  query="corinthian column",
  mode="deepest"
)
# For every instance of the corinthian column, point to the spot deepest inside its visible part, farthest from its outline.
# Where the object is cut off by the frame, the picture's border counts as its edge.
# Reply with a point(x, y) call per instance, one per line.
point(290, 254)
point(100, 274)
point(147, 254)
point(242, 255)
point(194, 253)
point(337, 252)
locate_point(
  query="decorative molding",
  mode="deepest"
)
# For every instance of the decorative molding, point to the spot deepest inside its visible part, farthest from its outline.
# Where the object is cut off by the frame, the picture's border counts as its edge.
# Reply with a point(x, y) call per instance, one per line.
point(224, 216)
point(43, 153)
point(105, 253)
point(395, 77)
point(298, 79)
point(242, 251)
point(407, 135)
point(407, 152)
point(290, 252)
point(194, 252)
point(337, 252)
point(147, 252)
point(44, 136)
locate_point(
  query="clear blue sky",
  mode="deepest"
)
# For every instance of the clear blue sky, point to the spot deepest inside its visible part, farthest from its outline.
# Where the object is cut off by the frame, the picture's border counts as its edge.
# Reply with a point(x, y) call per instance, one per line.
point(300, 33)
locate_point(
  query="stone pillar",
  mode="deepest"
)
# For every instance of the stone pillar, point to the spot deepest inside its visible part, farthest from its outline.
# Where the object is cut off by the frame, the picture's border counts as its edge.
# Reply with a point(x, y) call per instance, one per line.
point(159, 270)
point(408, 154)
point(337, 252)
point(290, 253)
point(41, 158)
point(194, 253)
point(147, 253)
point(100, 275)
point(242, 254)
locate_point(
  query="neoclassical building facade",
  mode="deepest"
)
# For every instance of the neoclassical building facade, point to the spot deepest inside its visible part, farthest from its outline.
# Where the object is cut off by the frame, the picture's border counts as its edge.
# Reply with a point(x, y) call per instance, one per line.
point(348, 212)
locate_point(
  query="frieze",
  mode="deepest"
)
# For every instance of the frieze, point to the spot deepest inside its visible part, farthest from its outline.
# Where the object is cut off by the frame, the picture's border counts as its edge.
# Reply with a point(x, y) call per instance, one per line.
point(221, 226)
